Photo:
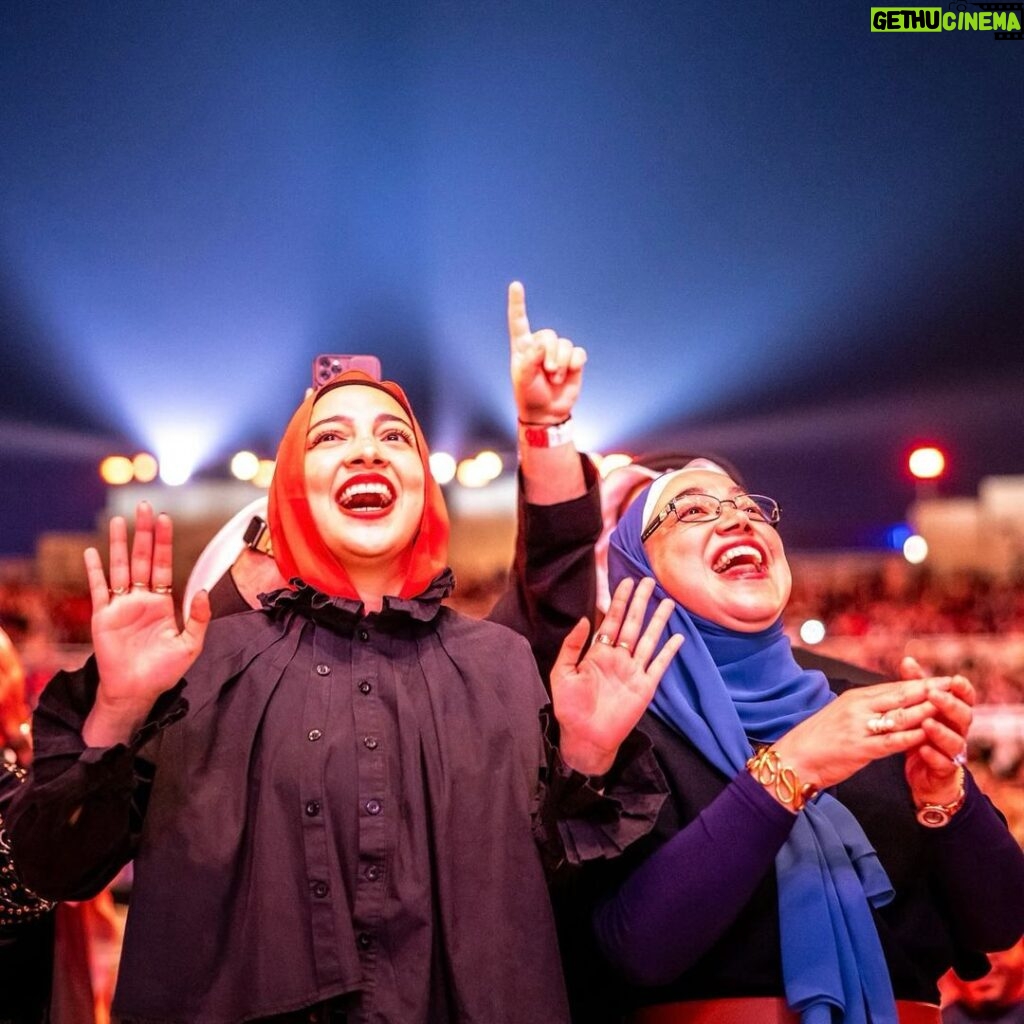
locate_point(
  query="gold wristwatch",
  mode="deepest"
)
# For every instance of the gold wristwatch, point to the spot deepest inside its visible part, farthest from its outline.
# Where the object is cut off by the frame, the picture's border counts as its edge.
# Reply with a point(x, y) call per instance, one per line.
point(938, 815)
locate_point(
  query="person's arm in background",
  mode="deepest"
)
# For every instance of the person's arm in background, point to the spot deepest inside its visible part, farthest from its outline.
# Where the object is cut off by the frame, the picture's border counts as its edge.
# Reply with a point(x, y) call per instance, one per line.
point(14, 710)
point(559, 516)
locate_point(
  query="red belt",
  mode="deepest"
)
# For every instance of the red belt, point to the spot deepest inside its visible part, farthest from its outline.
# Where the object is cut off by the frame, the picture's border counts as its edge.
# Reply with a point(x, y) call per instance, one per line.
point(764, 1010)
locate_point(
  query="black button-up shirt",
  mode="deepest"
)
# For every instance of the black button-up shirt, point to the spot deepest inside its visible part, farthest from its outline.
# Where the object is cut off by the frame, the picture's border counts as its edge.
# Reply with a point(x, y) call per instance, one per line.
point(417, 887)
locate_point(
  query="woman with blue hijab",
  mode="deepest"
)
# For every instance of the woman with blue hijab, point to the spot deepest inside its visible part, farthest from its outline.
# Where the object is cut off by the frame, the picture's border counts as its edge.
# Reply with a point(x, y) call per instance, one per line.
point(824, 857)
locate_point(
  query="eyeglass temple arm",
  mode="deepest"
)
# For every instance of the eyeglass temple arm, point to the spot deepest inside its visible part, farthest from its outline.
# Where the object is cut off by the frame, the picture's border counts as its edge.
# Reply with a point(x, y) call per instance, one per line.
point(662, 516)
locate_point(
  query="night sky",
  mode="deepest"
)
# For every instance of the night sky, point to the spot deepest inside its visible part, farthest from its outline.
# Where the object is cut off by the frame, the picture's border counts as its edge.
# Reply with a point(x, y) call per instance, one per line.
point(780, 236)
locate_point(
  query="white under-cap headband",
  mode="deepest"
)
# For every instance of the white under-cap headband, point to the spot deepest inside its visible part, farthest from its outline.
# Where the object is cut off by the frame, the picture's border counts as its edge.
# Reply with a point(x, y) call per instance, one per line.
point(656, 494)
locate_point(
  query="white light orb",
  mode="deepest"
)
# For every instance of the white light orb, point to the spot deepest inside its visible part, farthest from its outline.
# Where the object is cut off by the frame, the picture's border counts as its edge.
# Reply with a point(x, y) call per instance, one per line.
point(812, 632)
point(244, 465)
point(442, 467)
point(915, 549)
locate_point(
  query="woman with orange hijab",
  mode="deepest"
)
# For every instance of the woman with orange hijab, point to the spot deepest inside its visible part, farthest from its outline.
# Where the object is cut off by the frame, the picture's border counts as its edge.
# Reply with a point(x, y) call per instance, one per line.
point(341, 805)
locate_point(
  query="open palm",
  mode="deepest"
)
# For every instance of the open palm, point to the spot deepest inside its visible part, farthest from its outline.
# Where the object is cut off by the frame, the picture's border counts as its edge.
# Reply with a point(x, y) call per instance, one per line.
point(599, 700)
point(140, 652)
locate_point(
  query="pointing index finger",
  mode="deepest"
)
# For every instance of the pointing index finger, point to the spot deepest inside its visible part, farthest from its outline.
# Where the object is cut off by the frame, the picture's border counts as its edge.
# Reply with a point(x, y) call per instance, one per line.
point(518, 322)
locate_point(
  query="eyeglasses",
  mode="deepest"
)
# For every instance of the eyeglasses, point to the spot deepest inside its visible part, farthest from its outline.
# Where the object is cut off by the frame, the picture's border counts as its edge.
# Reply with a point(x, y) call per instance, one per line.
point(706, 508)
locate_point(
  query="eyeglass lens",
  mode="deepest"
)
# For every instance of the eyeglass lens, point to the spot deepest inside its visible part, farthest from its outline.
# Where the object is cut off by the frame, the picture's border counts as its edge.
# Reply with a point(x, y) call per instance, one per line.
point(697, 508)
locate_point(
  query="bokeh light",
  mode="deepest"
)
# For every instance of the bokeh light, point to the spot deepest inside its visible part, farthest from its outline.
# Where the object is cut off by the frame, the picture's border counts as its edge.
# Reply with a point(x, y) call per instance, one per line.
point(812, 631)
point(469, 474)
point(926, 463)
point(145, 467)
point(896, 536)
point(915, 549)
point(489, 464)
point(614, 460)
point(442, 466)
point(244, 465)
point(116, 470)
point(264, 473)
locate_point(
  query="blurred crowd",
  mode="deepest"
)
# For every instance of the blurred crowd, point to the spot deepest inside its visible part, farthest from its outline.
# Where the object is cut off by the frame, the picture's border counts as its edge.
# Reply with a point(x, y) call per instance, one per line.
point(962, 622)
point(967, 622)
point(872, 616)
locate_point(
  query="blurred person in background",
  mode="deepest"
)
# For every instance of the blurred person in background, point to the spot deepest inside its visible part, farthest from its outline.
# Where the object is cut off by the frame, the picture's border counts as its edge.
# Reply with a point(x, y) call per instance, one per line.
point(49, 970)
point(994, 998)
point(14, 710)
point(823, 855)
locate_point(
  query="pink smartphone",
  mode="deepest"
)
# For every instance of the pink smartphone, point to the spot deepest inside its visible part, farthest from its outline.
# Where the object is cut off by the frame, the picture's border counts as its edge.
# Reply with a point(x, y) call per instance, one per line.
point(328, 365)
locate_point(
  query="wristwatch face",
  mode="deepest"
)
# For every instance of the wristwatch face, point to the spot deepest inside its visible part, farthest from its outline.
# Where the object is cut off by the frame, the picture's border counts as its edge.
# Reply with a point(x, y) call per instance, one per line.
point(933, 816)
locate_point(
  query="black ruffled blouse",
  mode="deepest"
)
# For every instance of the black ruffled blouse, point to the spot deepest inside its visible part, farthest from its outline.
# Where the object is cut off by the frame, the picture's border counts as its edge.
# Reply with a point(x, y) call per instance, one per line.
point(330, 804)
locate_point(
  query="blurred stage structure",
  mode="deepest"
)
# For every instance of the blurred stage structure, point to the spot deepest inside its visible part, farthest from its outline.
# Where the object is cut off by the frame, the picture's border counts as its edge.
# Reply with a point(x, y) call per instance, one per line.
point(985, 533)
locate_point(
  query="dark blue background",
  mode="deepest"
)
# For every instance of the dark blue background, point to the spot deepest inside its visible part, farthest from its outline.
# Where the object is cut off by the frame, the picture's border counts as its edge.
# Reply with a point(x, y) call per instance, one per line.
point(779, 235)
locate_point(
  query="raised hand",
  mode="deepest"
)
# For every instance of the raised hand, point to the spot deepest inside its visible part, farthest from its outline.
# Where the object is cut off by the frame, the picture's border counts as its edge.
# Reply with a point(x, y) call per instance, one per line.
point(139, 651)
point(932, 766)
point(599, 700)
point(547, 370)
point(860, 726)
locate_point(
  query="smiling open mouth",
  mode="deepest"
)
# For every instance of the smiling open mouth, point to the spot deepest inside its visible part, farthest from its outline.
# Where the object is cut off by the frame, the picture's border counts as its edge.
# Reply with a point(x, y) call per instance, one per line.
point(366, 496)
point(741, 555)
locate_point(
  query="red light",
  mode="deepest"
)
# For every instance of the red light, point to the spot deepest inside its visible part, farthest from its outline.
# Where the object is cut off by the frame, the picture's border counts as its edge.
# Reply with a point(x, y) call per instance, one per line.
point(926, 463)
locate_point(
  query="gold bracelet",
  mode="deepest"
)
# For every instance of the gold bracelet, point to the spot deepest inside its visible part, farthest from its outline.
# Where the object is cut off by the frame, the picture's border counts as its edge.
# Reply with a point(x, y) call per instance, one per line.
point(767, 768)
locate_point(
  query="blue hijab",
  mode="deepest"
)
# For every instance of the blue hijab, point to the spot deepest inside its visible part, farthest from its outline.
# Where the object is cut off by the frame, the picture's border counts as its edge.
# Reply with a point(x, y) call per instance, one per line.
point(723, 687)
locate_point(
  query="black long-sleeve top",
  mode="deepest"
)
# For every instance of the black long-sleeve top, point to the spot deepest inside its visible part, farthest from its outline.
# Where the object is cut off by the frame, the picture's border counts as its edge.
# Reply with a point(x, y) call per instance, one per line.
point(335, 804)
point(691, 911)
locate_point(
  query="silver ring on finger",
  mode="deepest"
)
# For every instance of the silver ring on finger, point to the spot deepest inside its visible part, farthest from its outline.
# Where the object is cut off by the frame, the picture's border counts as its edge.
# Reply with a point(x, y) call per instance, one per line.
point(163, 590)
point(879, 725)
point(960, 759)
point(603, 638)
point(136, 585)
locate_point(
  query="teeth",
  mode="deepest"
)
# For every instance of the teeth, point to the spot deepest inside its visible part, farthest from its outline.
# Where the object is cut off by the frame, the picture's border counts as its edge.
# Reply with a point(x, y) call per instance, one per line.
point(727, 558)
point(355, 490)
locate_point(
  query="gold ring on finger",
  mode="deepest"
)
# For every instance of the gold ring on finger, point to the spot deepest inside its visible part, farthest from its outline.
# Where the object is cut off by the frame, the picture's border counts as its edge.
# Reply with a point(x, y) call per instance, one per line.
point(625, 643)
point(118, 591)
point(163, 590)
point(136, 585)
point(879, 725)
point(603, 638)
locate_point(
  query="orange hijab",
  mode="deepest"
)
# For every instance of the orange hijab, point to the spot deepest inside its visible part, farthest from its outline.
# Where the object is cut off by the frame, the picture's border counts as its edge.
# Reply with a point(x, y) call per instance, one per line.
point(299, 550)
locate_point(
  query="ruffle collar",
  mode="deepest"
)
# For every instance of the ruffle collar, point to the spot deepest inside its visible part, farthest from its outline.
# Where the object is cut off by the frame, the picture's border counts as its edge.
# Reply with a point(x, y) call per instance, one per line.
point(345, 611)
